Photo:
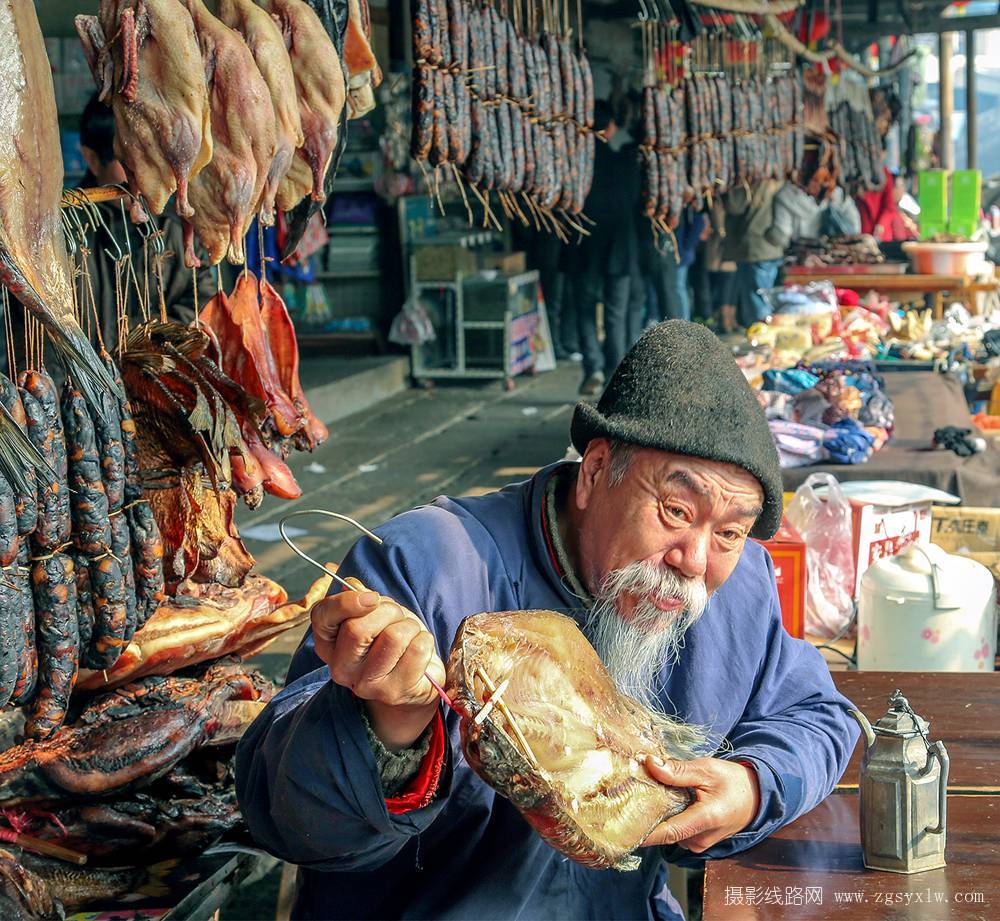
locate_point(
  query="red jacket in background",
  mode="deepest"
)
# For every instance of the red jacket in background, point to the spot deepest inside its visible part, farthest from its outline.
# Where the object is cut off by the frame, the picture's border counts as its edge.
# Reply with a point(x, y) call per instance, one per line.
point(880, 214)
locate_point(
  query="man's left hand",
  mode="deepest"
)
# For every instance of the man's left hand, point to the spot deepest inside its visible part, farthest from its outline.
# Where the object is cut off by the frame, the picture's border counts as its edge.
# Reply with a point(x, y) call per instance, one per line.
point(726, 800)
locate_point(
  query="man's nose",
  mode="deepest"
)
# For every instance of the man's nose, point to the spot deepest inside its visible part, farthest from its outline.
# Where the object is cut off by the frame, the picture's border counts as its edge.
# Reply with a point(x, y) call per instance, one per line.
point(689, 553)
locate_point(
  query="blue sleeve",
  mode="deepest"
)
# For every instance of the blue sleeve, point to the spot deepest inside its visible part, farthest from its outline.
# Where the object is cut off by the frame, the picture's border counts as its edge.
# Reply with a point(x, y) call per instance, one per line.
point(305, 773)
point(796, 732)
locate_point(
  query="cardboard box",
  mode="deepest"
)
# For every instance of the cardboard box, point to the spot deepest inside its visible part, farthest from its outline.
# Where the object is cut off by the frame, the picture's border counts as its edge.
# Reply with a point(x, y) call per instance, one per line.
point(788, 551)
point(881, 531)
point(504, 263)
point(966, 191)
point(443, 263)
point(969, 532)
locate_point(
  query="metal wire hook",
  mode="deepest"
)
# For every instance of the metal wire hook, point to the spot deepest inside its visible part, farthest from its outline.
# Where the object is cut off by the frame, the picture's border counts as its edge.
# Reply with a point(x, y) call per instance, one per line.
point(298, 550)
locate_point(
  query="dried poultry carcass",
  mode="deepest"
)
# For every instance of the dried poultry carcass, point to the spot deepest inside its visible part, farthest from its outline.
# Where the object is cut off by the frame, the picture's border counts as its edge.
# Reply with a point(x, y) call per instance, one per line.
point(25, 896)
point(333, 17)
point(266, 43)
point(187, 428)
point(246, 357)
point(285, 349)
point(176, 404)
point(321, 89)
point(260, 372)
point(227, 192)
point(33, 887)
point(573, 763)
point(144, 55)
point(200, 540)
point(138, 829)
point(127, 738)
point(359, 60)
point(204, 622)
point(34, 263)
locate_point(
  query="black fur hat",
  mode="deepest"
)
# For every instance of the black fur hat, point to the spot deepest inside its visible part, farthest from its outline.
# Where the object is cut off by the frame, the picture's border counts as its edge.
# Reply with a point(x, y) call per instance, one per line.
point(679, 390)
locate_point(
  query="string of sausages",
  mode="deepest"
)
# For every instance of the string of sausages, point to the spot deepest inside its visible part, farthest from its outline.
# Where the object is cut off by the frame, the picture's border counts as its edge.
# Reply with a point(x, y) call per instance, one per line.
point(861, 156)
point(504, 112)
point(708, 133)
point(80, 554)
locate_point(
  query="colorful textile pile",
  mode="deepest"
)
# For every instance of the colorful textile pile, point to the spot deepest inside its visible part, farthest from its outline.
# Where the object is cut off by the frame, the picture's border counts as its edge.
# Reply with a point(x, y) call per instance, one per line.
point(831, 412)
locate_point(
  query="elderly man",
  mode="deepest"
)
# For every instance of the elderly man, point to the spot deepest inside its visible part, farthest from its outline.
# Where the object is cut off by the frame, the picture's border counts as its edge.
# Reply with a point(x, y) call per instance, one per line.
point(355, 774)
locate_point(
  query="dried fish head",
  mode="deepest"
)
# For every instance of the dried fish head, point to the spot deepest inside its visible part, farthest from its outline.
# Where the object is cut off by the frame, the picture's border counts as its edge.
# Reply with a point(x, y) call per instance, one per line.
point(574, 763)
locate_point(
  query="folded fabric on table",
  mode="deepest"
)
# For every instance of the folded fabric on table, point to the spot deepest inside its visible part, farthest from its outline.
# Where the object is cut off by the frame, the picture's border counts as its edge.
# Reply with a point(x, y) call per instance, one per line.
point(791, 381)
point(776, 405)
point(847, 442)
point(797, 444)
point(810, 406)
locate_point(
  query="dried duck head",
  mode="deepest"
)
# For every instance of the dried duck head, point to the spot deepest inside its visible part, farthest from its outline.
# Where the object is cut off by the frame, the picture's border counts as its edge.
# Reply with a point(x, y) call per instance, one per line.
point(565, 746)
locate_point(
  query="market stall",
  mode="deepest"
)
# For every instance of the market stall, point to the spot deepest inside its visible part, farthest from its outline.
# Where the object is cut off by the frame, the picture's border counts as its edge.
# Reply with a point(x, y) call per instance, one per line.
point(130, 607)
point(924, 402)
point(130, 604)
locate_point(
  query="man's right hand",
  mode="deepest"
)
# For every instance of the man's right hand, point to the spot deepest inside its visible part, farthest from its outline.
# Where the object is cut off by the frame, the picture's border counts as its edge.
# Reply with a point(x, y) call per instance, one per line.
point(380, 650)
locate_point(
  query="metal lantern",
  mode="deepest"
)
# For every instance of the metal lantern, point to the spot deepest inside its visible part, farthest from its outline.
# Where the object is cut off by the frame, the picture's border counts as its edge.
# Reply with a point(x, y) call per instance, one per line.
point(904, 783)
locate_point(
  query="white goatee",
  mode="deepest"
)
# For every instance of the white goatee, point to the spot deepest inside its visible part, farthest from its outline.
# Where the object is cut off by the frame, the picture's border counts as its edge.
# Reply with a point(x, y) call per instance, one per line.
point(634, 650)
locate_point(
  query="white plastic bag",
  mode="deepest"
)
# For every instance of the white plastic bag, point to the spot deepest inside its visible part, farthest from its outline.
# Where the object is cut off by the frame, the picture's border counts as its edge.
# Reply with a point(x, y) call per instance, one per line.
point(412, 325)
point(825, 526)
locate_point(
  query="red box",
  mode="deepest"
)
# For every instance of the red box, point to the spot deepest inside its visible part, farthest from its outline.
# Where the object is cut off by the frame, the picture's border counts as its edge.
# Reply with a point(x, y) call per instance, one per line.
point(788, 552)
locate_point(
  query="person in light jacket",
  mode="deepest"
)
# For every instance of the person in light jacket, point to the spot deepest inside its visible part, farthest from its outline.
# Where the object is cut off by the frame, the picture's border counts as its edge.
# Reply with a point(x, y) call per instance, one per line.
point(749, 216)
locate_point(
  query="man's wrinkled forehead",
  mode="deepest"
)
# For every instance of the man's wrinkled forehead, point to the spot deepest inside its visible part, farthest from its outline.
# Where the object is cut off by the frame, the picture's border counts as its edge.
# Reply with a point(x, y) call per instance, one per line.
point(706, 479)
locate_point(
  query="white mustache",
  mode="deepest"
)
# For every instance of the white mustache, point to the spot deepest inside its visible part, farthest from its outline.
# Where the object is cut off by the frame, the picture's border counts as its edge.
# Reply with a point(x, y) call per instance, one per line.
point(650, 582)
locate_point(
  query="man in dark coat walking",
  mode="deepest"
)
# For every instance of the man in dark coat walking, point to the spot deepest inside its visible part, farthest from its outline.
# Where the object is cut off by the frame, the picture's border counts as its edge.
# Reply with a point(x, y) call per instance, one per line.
point(604, 260)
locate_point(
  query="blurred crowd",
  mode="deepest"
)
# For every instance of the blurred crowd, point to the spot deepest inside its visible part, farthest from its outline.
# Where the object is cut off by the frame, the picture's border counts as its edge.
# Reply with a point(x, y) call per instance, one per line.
point(720, 253)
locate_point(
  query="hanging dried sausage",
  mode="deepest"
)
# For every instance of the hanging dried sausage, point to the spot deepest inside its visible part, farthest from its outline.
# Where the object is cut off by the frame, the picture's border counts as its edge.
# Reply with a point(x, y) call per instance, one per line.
point(479, 152)
point(57, 639)
point(27, 660)
point(458, 27)
point(41, 408)
point(84, 604)
point(107, 586)
point(25, 501)
point(121, 547)
point(108, 431)
point(89, 501)
point(448, 101)
point(501, 109)
point(147, 557)
point(515, 90)
point(11, 634)
point(8, 524)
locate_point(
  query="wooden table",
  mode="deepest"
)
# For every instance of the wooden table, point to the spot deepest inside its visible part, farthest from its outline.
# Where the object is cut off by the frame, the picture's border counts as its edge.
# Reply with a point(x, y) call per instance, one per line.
point(898, 285)
point(808, 870)
point(963, 710)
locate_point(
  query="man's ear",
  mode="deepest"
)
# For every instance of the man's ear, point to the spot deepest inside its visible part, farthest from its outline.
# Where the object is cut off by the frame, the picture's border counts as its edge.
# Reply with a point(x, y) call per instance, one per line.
point(593, 470)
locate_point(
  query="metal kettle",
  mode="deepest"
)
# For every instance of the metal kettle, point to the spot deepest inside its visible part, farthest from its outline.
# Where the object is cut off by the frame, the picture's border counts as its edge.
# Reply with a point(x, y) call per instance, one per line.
point(904, 792)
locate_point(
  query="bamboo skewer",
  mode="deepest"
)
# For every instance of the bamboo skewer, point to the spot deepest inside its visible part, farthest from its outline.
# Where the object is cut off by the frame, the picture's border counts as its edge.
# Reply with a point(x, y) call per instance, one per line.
point(38, 846)
point(505, 710)
point(73, 198)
